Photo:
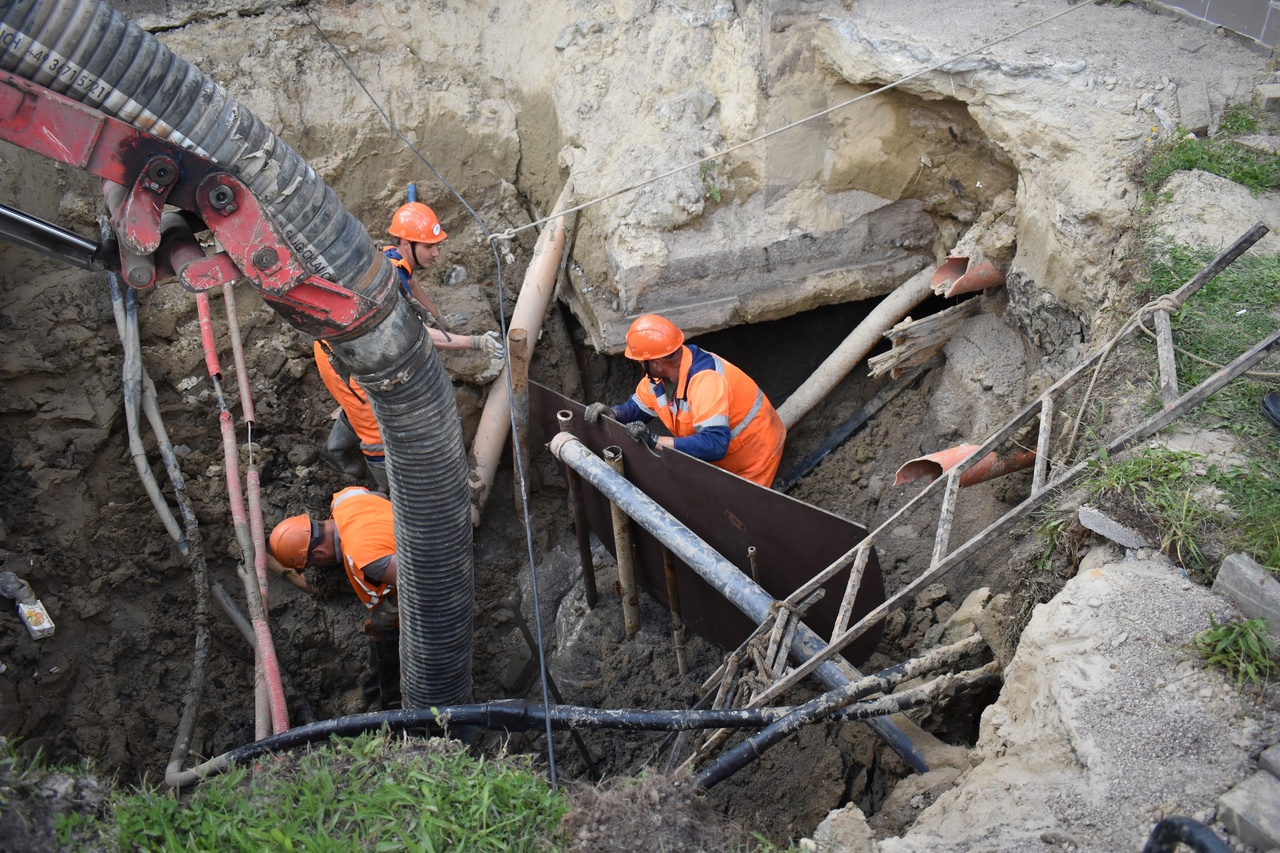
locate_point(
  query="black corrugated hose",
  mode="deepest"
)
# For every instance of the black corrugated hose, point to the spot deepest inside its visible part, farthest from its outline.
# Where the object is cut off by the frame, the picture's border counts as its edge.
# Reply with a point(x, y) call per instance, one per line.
point(89, 52)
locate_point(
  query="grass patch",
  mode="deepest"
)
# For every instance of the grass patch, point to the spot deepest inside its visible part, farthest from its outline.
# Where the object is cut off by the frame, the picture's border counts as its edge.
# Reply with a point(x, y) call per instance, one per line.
point(1166, 485)
point(1242, 648)
point(1224, 318)
point(1218, 154)
point(377, 792)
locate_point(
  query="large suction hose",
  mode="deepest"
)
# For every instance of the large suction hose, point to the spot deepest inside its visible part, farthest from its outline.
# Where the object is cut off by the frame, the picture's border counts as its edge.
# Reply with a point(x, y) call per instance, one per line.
point(89, 52)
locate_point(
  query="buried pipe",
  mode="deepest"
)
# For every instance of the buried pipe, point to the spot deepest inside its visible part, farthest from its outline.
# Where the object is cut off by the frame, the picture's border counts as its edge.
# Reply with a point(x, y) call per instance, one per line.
point(855, 347)
point(531, 309)
point(989, 467)
point(723, 576)
point(959, 275)
point(127, 76)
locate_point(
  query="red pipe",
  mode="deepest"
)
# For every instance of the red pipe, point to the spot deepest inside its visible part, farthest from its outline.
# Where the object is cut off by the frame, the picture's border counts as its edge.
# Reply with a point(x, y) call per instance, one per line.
point(956, 276)
point(206, 337)
point(989, 467)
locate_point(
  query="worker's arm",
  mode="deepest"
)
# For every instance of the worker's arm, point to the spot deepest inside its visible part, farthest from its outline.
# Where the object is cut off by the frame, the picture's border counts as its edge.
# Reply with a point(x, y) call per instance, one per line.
point(419, 295)
point(381, 570)
point(293, 576)
point(633, 410)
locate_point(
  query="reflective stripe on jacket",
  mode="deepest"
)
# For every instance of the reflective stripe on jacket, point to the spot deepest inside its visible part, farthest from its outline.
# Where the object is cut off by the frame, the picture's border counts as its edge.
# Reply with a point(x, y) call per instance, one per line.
point(713, 395)
point(352, 399)
point(366, 534)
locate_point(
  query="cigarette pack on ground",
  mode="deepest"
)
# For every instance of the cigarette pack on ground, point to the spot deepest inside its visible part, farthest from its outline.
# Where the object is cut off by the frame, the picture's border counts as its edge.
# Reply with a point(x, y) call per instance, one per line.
point(36, 618)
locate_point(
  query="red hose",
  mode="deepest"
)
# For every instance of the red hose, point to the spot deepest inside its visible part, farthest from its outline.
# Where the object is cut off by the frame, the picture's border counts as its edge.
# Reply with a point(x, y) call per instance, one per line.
point(206, 337)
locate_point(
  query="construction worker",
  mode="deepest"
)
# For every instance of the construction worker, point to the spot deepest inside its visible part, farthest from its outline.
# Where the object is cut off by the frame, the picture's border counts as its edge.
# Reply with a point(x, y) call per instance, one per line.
point(418, 230)
point(360, 535)
point(714, 411)
point(355, 430)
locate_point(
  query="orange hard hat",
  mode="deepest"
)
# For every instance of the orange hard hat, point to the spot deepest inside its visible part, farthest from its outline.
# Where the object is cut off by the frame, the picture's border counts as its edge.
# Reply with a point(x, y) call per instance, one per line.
point(652, 336)
point(416, 223)
point(291, 541)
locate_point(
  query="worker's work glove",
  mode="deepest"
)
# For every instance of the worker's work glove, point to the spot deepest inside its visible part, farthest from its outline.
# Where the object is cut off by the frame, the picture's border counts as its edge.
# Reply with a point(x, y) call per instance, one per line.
point(490, 343)
point(595, 410)
point(452, 322)
point(640, 432)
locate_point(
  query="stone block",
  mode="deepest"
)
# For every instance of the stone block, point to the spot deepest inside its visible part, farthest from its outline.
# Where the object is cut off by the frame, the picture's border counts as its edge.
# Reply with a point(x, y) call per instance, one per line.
point(1251, 811)
point(1267, 97)
point(1270, 760)
point(1104, 525)
point(1253, 589)
point(1194, 113)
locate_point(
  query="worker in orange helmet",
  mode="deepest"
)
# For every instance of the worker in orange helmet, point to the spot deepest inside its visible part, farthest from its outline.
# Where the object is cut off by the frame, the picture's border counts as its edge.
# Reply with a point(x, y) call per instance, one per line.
point(355, 431)
point(712, 409)
point(419, 233)
point(360, 535)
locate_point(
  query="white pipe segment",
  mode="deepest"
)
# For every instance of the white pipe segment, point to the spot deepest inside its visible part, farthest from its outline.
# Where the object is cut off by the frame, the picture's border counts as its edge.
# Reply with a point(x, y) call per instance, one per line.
point(854, 349)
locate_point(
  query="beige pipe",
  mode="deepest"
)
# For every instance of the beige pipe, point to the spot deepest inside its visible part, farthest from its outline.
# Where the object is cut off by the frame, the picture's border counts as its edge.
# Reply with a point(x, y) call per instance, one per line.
point(624, 548)
point(854, 349)
point(531, 308)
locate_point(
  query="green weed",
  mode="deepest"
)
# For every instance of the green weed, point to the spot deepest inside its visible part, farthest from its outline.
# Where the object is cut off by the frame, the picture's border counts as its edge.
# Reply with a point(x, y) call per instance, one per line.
point(1218, 155)
point(1165, 484)
point(1242, 648)
point(709, 173)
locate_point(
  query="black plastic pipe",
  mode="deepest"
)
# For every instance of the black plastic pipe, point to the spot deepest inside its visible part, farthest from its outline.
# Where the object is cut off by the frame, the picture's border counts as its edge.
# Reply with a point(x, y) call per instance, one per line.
point(89, 52)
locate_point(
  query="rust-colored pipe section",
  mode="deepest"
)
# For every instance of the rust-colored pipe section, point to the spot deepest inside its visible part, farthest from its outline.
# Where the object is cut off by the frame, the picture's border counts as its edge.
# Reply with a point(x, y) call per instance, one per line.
point(531, 308)
point(989, 467)
point(624, 549)
point(957, 275)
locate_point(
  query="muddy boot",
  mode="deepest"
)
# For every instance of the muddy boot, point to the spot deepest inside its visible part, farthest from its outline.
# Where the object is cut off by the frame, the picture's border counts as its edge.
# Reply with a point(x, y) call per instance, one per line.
point(388, 652)
point(342, 450)
point(369, 678)
point(377, 467)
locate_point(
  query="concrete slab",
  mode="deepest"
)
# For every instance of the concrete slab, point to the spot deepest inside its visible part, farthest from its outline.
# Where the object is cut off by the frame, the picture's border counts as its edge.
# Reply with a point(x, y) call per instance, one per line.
point(1270, 760)
point(1193, 107)
point(1253, 588)
point(1267, 97)
point(1251, 811)
point(1103, 525)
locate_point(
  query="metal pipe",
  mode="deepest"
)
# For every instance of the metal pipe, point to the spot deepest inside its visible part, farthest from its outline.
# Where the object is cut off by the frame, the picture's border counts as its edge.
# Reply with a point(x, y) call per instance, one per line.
point(754, 561)
point(677, 623)
point(726, 578)
point(578, 507)
point(624, 550)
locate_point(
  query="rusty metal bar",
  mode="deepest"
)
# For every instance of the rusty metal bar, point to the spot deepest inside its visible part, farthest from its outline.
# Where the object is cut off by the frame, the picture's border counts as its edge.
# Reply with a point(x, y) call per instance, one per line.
point(755, 563)
point(578, 508)
point(625, 552)
point(677, 624)
point(1164, 354)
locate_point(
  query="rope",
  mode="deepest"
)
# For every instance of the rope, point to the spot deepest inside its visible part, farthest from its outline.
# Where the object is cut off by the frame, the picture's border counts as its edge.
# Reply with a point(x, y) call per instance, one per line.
point(1255, 374)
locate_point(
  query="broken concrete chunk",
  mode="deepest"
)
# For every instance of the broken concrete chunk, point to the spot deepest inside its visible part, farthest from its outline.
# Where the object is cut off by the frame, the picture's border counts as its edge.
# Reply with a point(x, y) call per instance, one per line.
point(1263, 144)
point(1194, 112)
point(1251, 811)
point(1270, 760)
point(1104, 525)
point(1267, 97)
point(1252, 588)
point(931, 595)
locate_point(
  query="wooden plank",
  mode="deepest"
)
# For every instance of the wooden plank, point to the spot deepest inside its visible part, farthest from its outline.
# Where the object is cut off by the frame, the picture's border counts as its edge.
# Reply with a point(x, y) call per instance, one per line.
point(1164, 353)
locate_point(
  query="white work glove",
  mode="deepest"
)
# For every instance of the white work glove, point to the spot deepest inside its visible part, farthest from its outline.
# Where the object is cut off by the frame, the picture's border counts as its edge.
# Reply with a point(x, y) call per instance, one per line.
point(595, 410)
point(452, 322)
point(490, 343)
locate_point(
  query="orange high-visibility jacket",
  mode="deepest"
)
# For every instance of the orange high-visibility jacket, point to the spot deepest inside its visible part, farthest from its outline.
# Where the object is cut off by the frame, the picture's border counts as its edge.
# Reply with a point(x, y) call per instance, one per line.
point(366, 534)
point(711, 392)
point(354, 403)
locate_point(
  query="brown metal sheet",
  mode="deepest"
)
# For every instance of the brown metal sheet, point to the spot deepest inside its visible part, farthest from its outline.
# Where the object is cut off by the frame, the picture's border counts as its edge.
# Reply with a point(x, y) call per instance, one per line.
point(793, 540)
